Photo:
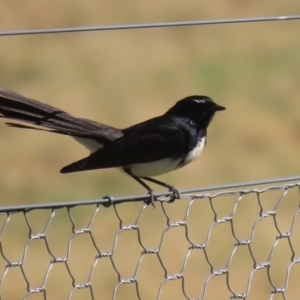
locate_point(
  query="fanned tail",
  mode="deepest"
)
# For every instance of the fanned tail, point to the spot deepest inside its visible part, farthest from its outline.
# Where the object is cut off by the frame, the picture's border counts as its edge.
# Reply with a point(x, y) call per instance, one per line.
point(19, 108)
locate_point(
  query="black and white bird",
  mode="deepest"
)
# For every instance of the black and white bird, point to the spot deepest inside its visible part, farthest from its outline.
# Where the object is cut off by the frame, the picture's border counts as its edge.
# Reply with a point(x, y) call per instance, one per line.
point(154, 147)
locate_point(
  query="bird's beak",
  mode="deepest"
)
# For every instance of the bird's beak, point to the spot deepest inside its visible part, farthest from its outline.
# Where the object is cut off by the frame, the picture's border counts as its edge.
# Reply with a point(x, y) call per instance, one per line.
point(218, 108)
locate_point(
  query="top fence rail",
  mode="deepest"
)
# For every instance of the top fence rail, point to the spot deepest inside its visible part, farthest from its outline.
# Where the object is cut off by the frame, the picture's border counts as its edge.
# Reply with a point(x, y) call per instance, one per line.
point(150, 25)
point(108, 200)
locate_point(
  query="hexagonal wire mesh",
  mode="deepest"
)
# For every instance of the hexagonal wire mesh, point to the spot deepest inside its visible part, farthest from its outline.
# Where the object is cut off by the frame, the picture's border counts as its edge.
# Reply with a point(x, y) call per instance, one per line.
point(238, 243)
point(232, 244)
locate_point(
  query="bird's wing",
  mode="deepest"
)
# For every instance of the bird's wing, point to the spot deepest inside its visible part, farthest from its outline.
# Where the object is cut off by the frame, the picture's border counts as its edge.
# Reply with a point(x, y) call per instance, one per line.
point(132, 149)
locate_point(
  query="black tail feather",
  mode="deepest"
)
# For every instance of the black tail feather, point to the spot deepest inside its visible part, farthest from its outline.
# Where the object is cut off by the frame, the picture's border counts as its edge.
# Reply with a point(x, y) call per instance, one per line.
point(16, 107)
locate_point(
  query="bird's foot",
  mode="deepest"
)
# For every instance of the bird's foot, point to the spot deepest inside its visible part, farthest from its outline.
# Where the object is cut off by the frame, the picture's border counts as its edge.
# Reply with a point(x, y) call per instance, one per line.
point(151, 199)
point(175, 194)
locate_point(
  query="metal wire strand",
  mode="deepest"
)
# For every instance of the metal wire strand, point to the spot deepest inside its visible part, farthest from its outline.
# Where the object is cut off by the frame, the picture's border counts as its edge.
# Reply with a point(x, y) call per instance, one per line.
point(149, 25)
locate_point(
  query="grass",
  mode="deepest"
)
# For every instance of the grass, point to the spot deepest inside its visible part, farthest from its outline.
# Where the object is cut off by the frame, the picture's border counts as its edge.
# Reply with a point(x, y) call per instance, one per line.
point(124, 77)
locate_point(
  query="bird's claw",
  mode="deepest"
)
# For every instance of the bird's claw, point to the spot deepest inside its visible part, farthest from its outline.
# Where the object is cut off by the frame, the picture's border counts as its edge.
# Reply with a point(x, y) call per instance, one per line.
point(151, 199)
point(175, 195)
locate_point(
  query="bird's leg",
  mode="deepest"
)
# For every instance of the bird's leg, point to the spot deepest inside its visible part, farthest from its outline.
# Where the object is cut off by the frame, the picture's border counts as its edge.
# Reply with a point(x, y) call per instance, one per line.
point(152, 197)
point(175, 194)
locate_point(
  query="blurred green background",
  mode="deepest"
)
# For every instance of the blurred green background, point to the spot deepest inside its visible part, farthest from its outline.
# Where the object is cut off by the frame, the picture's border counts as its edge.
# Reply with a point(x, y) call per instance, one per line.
point(124, 77)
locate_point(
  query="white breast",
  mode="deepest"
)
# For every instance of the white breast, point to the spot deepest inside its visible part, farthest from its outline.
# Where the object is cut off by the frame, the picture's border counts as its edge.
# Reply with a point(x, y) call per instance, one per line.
point(155, 168)
point(166, 165)
point(194, 153)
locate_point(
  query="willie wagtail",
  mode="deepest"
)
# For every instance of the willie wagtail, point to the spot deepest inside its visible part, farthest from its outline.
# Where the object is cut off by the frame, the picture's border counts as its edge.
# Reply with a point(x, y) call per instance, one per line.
point(154, 147)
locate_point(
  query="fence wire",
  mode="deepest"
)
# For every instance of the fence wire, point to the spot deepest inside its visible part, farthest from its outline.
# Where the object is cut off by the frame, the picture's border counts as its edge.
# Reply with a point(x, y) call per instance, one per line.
point(231, 244)
point(150, 25)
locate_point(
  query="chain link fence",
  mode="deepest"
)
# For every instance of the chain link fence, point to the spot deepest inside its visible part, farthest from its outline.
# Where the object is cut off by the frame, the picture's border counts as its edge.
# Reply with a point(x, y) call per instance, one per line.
point(235, 243)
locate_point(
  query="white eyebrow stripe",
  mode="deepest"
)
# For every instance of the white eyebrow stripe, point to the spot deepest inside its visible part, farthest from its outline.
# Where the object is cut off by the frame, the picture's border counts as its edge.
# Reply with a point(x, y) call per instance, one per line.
point(199, 101)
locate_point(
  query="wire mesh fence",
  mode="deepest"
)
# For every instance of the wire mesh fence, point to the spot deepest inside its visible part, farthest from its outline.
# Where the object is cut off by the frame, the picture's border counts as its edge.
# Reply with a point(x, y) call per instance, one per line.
point(228, 242)
point(237, 243)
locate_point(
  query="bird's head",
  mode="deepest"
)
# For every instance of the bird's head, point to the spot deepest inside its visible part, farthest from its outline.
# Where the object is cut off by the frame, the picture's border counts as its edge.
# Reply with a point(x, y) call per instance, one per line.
point(198, 109)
